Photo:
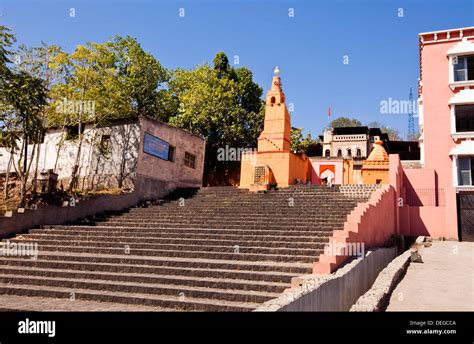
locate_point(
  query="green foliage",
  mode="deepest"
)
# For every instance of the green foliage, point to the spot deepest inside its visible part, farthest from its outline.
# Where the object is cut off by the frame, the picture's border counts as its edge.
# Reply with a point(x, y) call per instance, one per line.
point(220, 103)
point(22, 99)
point(299, 144)
point(393, 134)
point(345, 122)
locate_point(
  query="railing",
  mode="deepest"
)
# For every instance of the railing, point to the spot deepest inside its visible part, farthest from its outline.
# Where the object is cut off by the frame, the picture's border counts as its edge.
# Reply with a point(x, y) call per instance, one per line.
point(419, 197)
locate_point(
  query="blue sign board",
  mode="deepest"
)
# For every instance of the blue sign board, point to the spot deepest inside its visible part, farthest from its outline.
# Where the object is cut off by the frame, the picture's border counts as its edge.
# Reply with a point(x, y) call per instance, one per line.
point(156, 146)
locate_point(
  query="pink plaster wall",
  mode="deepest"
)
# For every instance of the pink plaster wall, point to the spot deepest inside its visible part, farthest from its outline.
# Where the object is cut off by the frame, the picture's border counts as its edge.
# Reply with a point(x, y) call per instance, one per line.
point(437, 127)
point(338, 165)
point(427, 220)
point(370, 223)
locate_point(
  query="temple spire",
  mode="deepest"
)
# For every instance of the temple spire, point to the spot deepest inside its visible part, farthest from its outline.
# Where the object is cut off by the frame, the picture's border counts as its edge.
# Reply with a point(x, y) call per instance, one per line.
point(276, 132)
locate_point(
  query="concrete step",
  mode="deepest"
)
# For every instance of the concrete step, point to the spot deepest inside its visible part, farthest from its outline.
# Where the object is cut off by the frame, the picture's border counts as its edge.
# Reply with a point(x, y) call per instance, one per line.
point(181, 262)
point(233, 271)
point(177, 303)
point(16, 303)
point(180, 234)
point(182, 241)
point(196, 230)
point(193, 281)
point(244, 254)
point(260, 246)
point(226, 250)
point(223, 225)
point(141, 288)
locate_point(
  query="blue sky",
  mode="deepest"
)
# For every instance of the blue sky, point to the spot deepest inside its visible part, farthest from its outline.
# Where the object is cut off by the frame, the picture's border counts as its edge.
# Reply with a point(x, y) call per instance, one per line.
point(309, 47)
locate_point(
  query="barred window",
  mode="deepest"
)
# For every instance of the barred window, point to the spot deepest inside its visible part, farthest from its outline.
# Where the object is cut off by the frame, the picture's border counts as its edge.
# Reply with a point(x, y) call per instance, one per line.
point(189, 160)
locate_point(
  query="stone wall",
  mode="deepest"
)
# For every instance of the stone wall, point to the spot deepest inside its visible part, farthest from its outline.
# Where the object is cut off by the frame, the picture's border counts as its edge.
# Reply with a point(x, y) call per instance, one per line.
point(146, 188)
point(336, 292)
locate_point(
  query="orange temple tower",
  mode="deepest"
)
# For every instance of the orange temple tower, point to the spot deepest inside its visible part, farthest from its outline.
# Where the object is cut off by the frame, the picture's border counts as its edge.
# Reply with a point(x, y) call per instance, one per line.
point(375, 170)
point(274, 163)
point(276, 131)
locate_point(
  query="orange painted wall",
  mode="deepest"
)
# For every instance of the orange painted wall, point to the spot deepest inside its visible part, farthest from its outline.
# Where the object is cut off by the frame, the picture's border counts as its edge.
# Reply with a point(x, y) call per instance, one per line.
point(371, 176)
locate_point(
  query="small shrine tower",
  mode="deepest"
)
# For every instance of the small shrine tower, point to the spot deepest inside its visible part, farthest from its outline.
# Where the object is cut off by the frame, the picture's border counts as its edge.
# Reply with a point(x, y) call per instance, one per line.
point(276, 131)
point(274, 163)
point(375, 168)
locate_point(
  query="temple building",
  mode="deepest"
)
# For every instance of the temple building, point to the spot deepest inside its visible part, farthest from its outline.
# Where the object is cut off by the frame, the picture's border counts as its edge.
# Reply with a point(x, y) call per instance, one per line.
point(375, 168)
point(274, 163)
point(435, 193)
point(345, 150)
point(350, 142)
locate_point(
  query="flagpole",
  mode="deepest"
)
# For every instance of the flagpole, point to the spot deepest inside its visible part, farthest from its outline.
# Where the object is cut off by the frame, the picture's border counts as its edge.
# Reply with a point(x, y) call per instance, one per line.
point(329, 116)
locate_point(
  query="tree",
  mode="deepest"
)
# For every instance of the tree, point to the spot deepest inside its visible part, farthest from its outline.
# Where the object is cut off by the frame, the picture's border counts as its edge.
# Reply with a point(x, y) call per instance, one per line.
point(414, 137)
point(223, 105)
point(140, 77)
point(306, 145)
point(345, 122)
point(393, 134)
point(6, 41)
point(43, 62)
point(24, 98)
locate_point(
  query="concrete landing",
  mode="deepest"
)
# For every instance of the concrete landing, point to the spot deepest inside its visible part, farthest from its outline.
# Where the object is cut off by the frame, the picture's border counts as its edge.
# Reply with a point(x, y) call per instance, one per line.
point(443, 282)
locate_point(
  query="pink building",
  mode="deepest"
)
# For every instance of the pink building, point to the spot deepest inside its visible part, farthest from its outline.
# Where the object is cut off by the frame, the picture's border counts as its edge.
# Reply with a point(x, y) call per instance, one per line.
point(439, 198)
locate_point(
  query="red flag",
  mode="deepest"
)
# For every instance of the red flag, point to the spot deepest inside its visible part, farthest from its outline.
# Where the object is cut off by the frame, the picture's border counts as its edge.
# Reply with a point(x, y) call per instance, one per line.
point(329, 112)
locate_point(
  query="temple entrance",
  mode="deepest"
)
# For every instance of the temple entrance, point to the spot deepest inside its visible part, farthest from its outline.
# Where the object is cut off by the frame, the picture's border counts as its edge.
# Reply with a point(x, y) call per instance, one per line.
point(466, 216)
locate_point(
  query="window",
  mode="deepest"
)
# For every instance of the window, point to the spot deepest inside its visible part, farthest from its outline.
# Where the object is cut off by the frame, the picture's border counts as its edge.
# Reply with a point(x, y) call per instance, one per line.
point(72, 132)
point(339, 153)
point(327, 153)
point(466, 171)
point(464, 68)
point(171, 153)
point(38, 138)
point(272, 100)
point(464, 118)
point(105, 143)
point(190, 160)
point(349, 152)
point(358, 153)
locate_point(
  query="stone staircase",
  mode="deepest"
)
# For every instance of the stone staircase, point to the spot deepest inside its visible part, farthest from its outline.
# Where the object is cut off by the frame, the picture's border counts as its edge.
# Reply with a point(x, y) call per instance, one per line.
point(216, 249)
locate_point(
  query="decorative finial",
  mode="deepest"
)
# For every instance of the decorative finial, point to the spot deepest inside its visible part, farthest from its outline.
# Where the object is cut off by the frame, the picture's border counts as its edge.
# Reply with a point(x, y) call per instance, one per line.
point(276, 71)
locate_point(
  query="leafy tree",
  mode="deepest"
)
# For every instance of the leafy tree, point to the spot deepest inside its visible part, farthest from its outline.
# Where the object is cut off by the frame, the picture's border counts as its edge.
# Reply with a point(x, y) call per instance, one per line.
point(306, 145)
point(6, 41)
point(345, 122)
point(393, 134)
point(222, 104)
point(140, 78)
point(24, 98)
point(43, 62)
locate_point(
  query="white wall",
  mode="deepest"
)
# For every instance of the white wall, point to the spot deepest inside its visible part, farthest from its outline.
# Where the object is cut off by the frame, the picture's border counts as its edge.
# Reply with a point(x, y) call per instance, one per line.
point(120, 162)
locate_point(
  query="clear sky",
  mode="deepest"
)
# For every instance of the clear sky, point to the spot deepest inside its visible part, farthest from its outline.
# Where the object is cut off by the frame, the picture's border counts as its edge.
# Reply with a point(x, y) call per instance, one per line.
point(309, 47)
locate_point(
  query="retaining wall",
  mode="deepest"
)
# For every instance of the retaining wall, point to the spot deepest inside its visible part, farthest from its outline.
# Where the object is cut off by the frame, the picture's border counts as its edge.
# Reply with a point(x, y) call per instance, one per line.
point(146, 188)
point(336, 292)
